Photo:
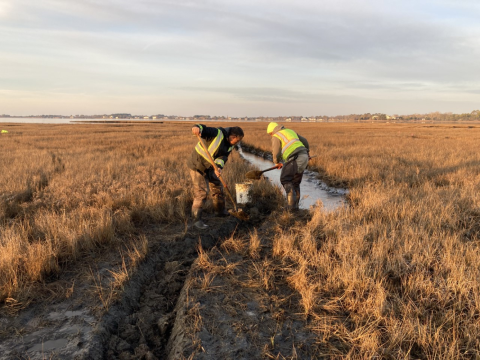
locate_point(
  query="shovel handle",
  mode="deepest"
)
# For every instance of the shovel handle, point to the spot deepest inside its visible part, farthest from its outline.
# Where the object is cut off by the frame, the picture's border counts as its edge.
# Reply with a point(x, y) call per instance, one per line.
point(272, 168)
point(216, 170)
point(275, 167)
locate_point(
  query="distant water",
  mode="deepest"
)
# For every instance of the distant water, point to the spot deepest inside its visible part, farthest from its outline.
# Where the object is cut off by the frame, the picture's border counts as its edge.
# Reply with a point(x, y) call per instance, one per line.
point(44, 121)
point(80, 121)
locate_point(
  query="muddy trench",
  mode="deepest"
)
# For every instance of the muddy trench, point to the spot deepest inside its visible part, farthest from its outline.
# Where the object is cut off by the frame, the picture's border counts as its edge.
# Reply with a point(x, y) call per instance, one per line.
point(140, 325)
point(150, 320)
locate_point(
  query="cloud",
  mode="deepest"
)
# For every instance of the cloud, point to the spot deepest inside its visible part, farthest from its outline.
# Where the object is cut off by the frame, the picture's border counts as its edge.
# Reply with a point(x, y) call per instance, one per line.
point(4, 8)
point(263, 94)
point(253, 52)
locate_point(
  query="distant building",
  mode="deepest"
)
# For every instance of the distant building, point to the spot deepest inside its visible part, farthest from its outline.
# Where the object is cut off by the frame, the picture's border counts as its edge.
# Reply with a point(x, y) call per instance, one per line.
point(121, 116)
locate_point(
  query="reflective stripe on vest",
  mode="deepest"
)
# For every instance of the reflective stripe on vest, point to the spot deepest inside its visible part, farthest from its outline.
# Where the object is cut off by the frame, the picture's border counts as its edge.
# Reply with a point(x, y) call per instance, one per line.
point(289, 140)
point(212, 148)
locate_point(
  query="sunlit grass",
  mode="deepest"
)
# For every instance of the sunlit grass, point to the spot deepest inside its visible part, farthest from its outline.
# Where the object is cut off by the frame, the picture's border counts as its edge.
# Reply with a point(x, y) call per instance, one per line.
point(70, 189)
point(393, 275)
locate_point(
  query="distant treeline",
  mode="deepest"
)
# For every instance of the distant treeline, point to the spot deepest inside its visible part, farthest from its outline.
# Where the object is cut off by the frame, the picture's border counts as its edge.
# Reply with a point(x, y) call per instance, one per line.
point(433, 116)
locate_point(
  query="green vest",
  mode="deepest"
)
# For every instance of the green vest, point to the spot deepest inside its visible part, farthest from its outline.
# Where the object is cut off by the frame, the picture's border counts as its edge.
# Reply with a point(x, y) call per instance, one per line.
point(290, 142)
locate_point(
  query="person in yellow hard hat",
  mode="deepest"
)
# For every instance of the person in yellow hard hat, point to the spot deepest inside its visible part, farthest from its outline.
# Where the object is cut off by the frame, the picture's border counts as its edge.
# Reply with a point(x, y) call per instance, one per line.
point(290, 153)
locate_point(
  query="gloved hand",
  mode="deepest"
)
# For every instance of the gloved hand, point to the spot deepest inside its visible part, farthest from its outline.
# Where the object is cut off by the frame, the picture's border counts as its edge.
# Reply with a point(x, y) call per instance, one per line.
point(218, 172)
point(196, 130)
point(279, 165)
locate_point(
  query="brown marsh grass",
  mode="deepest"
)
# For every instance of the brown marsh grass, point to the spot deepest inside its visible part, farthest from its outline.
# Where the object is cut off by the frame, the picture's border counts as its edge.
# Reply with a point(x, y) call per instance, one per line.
point(396, 274)
point(67, 190)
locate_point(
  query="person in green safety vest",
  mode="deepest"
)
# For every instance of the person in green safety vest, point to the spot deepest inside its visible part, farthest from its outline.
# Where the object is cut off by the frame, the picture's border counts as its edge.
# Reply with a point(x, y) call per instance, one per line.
point(290, 153)
point(220, 142)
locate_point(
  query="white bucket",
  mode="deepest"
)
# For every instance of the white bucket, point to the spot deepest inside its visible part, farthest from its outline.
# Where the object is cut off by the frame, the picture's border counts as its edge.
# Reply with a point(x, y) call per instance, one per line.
point(243, 192)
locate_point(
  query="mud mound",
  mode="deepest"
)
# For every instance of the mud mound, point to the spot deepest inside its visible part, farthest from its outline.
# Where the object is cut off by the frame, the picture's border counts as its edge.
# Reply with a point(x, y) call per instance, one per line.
point(237, 305)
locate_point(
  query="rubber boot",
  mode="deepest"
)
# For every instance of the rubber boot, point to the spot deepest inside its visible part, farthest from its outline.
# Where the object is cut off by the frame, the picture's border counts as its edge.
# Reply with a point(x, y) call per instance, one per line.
point(291, 201)
point(297, 194)
point(219, 207)
point(197, 218)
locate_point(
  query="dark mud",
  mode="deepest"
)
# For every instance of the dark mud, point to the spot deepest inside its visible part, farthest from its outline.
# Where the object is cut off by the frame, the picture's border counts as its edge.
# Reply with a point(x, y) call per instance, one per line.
point(70, 321)
point(155, 317)
point(56, 331)
point(140, 326)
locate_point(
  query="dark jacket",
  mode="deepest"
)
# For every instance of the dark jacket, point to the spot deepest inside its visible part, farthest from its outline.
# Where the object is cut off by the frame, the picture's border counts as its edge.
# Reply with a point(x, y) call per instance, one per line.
point(199, 163)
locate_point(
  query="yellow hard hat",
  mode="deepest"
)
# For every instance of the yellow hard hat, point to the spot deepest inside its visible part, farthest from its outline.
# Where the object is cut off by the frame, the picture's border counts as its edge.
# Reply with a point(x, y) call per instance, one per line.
point(271, 127)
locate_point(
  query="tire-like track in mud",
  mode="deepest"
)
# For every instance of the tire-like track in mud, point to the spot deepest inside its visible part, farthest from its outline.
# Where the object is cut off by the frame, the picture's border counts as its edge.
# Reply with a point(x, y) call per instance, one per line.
point(140, 325)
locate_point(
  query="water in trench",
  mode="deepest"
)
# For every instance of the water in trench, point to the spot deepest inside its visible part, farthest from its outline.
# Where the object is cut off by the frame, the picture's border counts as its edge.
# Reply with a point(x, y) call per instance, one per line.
point(311, 189)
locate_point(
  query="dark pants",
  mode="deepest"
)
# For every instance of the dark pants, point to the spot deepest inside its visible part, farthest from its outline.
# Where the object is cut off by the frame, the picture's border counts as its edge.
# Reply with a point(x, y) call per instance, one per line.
point(290, 177)
point(292, 174)
point(201, 185)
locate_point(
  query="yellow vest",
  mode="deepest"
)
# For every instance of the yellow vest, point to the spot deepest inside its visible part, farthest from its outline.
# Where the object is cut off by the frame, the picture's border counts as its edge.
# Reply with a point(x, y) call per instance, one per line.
point(290, 142)
point(212, 149)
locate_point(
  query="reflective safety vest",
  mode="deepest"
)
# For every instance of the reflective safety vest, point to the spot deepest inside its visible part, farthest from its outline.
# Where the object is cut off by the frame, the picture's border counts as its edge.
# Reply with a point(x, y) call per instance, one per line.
point(290, 141)
point(212, 148)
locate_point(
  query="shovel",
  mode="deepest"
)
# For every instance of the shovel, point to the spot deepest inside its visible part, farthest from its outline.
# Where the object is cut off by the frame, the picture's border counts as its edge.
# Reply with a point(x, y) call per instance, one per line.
point(257, 174)
point(239, 214)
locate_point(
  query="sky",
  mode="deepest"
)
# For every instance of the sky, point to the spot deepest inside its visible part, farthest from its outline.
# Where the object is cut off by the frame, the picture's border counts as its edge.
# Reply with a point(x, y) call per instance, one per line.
point(239, 58)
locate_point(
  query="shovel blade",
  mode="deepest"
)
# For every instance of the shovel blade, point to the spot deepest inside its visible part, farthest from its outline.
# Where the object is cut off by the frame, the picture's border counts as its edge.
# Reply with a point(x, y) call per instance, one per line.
point(254, 174)
point(240, 214)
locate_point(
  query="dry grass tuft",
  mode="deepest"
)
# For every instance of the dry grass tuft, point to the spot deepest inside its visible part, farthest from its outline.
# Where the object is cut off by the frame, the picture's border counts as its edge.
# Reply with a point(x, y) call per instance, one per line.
point(254, 246)
point(264, 274)
point(233, 243)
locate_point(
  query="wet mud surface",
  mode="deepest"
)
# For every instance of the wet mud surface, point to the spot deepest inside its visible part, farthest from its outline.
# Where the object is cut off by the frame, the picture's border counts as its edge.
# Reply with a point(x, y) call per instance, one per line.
point(232, 311)
point(55, 331)
point(141, 325)
point(59, 326)
point(138, 325)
